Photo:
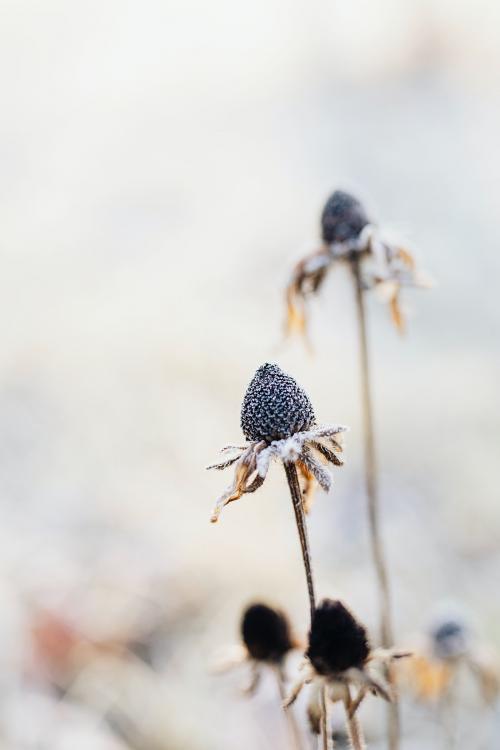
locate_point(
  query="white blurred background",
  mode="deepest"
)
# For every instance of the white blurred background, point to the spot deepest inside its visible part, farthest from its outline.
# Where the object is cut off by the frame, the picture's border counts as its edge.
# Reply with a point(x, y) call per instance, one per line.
point(163, 165)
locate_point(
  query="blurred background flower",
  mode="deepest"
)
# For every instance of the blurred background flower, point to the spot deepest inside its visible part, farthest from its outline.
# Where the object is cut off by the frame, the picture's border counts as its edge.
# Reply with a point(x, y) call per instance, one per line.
point(163, 166)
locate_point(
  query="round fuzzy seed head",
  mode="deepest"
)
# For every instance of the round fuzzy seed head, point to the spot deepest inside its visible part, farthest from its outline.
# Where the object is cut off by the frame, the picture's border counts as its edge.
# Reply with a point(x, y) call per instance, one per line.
point(266, 633)
point(343, 218)
point(336, 641)
point(275, 407)
point(450, 639)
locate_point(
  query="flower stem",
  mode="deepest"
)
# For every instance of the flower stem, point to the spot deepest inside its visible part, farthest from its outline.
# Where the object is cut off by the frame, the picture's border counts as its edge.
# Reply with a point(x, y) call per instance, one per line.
point(300, 518)
point(325, 734)
point(386, 630)
point(354, 730)
point(294, 731)
point(295, 492)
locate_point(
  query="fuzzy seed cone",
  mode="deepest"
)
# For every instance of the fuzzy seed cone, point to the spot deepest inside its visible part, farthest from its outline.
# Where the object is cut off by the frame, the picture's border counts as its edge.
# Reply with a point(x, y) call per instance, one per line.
point(336, 641)
point(275, 407)
point(450, 639)
point(343, 218)
point(266, 633)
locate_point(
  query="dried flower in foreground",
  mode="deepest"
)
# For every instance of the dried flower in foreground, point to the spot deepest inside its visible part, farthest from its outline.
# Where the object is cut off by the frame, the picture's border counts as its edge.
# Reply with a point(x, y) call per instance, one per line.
point(278, 420)
point(266, 633)
point(267, 640)
point(339, 657)
point(349, 236)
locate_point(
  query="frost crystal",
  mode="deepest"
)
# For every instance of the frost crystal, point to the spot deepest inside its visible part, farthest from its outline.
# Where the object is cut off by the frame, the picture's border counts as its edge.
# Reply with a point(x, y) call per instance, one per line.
point(275, 407)
point(343, 218)
point(336, 641)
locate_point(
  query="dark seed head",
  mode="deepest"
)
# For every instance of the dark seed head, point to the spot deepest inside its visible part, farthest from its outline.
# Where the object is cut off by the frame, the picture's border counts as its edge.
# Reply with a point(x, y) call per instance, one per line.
point(336, 641)
point(266, 633)
point(275, 406)
point(450, 639)
point(343, 218)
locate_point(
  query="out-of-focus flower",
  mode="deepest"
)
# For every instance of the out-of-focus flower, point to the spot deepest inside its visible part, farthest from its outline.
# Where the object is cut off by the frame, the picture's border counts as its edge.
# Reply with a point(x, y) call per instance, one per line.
point(339, 657)
point(278, 420)
point(348, 236)
point(449, 651)
point(266, 641)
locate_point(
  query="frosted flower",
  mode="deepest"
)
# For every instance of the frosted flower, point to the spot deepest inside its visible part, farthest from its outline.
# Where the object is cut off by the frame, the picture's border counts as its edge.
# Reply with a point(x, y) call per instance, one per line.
point(278, 420)
point(349, 236)
point(339, 657)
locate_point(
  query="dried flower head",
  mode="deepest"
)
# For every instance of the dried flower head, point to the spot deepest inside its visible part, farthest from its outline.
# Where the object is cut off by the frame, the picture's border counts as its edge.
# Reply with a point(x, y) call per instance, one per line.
point(349, 236)
point(275, 407)
point(266, 633)
point(337, 641)
point(450, 639)
point(449, 651)
point(266, 641)
point(278, 420)
point(343, 218)
point(339, 656)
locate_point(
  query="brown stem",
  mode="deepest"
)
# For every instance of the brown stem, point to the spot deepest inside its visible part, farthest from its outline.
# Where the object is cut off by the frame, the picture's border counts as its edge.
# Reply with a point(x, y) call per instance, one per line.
point(295, 492)
point(354, 730)
point(447, 717)
point(386, 630)
point(300, 519)
point(294, 731)
point(325, 733)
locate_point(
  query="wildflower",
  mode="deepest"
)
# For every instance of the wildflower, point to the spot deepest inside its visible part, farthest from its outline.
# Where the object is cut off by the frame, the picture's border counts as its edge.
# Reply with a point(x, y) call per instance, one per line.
point(349, 236)
point(449, 651)
point(339, 657)
point(278, 420)
point(266, 640)
point(266, 633)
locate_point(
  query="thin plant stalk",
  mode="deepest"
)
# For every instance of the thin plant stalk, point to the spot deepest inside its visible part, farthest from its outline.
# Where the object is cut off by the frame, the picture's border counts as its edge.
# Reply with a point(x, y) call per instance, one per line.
point(354, 730)
point(300, 519)
point(448, 719)
point(293, 728)
point(326, 742)
point(371, 479)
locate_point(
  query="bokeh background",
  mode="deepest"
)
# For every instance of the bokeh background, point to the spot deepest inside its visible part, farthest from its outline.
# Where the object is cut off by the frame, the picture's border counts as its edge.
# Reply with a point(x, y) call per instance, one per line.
point(163, 165)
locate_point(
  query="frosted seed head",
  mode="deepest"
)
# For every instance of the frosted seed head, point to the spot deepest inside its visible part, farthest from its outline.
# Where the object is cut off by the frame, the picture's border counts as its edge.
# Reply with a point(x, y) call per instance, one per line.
point(337, 641)
point(343, 218)
point(266, 633)
point(450, 639)
point(275, 407)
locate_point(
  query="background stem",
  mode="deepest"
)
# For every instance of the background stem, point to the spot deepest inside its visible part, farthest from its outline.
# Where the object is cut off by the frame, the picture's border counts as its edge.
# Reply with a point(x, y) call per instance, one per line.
point(294, 731)
point(385, 612)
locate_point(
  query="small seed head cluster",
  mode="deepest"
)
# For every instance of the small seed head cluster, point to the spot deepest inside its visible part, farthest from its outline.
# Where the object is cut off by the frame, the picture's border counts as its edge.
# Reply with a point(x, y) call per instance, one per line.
point(275, 407)
point(337, 641)
point(343, 218)
point(266, 633)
